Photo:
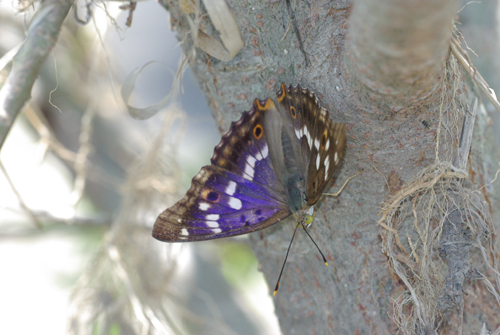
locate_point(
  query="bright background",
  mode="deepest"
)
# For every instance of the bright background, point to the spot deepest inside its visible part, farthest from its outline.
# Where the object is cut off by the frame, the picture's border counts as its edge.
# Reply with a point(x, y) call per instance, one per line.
point(41, 268)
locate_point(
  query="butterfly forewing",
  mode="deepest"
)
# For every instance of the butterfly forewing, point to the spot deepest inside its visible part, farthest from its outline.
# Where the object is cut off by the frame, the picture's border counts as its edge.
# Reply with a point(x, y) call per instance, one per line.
point(237, 194)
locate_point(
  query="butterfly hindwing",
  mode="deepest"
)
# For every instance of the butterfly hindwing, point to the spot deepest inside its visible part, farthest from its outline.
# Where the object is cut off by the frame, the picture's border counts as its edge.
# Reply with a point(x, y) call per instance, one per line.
point(321, 141)
point(325, 157)
point(237, 194)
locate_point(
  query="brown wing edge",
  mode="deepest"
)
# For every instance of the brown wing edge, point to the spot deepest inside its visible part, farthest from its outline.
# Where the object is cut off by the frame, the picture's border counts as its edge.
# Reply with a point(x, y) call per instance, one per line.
point(166, 231)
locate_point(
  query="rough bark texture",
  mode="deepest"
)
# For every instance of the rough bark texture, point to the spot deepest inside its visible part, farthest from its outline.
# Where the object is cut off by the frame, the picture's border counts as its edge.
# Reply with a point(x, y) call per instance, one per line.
point(390, 99)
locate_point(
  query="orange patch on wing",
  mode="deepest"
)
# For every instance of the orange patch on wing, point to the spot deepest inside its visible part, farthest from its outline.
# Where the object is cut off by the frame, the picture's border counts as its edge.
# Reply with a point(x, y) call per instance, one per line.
point(323, 139)
point(268, 104)
point(281, 93)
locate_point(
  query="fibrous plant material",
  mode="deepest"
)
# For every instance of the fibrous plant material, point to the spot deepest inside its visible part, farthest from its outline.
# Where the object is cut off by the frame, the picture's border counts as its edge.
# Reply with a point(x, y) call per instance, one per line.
point(435, 225)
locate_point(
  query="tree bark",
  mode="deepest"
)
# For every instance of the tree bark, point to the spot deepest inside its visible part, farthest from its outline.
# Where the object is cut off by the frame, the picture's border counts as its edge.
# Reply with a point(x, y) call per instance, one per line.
point(383, 68)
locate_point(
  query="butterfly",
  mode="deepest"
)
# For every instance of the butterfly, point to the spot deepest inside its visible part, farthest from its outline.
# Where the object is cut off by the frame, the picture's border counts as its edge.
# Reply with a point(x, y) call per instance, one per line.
point(275, 161)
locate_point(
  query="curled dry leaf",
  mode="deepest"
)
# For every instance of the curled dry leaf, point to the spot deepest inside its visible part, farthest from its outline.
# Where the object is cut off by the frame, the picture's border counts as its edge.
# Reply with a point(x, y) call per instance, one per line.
point(223, 20)
point(127, 89)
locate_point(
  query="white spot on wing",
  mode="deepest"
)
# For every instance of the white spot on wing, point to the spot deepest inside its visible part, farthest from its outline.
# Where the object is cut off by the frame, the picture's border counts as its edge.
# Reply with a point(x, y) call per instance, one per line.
point(308, 136)
point(336, 158)
point(235, 203)
point(316, 144)
point(212, 217)
point(317, 162)
point(327, 145)
point(249, 172)
point(262, 153)
point(265, 151)
point(231, 188)
point(184, 232)
point(297, 133)
point(203, 206)
point(216, 230)
point(213, 224)
point(251, 161)
point(327, 166)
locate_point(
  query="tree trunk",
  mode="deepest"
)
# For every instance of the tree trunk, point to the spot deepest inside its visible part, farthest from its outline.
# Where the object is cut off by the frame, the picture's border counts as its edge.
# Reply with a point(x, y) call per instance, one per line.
point(384, 68)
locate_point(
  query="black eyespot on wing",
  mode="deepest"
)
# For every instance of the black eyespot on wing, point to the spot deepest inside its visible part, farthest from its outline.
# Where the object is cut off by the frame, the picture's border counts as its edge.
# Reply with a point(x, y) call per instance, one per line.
point(213, 196)
point(258, 131)
point(293, 112)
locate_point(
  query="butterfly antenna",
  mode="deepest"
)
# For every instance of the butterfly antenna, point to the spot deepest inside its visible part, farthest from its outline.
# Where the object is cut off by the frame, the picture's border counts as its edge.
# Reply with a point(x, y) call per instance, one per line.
point(283, 267)
point(324, 258)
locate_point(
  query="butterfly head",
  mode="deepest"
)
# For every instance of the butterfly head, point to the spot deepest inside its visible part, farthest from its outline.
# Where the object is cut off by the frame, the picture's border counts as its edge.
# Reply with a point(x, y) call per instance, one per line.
point(305, 217)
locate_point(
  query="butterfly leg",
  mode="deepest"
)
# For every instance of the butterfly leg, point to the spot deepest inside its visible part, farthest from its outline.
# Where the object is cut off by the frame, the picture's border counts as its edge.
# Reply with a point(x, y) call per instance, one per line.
point(338, 193)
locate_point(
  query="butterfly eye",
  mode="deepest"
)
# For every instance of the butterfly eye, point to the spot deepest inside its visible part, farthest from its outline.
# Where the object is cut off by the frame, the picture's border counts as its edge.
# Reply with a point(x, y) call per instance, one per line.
point(293, 112)
point(258, 131)
point(308, 219)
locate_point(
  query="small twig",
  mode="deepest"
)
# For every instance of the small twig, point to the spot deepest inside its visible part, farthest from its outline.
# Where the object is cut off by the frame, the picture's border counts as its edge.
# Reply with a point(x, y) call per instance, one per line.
point(131, 8)
point(336, 194)
point(40, 40)
point(286, 32)
point(7, 58)
point(462, 154)
point(462, 57)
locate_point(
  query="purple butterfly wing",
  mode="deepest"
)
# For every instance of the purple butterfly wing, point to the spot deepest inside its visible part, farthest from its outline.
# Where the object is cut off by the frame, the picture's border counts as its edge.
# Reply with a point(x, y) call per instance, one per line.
point(238, 194)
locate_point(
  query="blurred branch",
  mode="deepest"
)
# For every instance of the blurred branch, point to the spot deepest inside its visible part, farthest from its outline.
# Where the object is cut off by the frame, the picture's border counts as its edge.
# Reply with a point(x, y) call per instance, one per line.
point(80, 221)
point(49, 141)
point(81, 160)
point(50, 221)
point(19, 198)
point(41, 39)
